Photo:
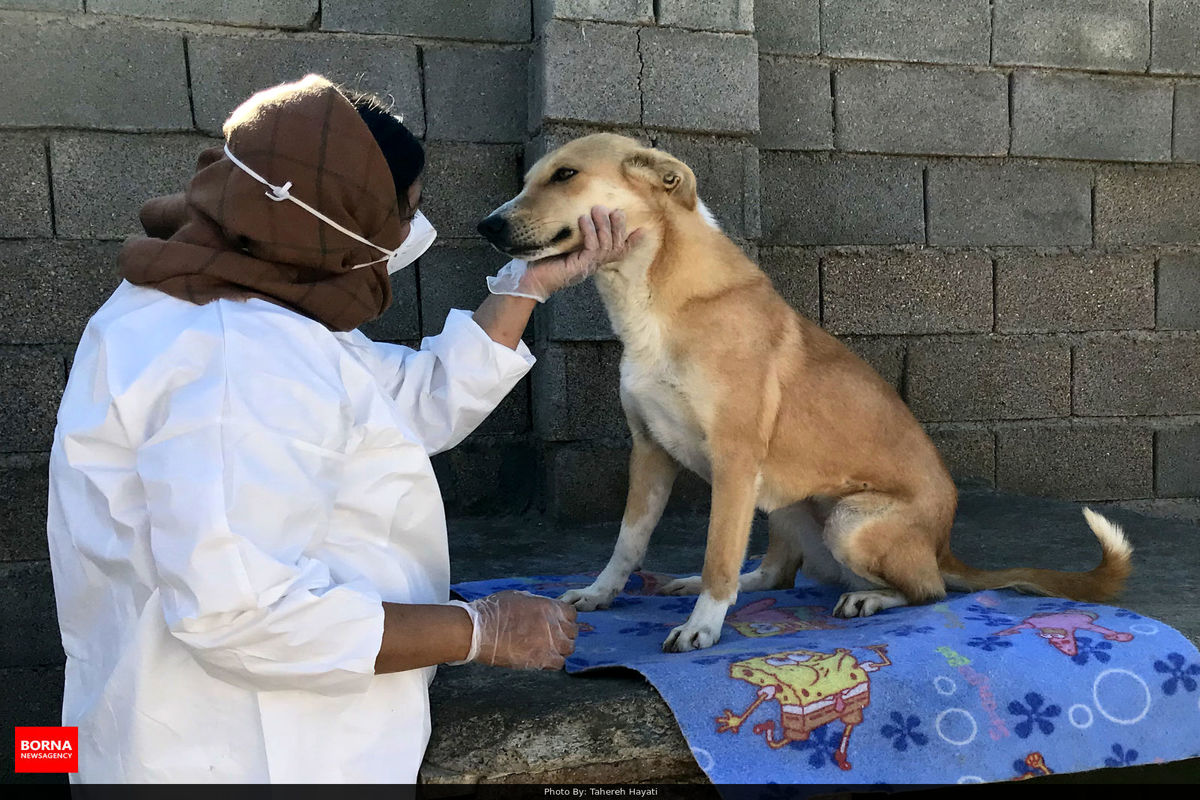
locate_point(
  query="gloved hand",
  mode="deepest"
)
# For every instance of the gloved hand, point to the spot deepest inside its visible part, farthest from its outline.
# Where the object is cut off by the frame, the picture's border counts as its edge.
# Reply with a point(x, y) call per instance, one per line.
point(604, 240)
point(521, 630)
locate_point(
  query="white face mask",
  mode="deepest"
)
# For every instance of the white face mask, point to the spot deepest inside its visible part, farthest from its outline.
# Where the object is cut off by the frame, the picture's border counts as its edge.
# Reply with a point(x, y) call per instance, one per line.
point(421, 233)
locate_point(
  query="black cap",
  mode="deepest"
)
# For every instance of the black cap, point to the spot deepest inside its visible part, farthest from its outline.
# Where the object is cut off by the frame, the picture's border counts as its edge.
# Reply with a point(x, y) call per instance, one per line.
point(403, 152)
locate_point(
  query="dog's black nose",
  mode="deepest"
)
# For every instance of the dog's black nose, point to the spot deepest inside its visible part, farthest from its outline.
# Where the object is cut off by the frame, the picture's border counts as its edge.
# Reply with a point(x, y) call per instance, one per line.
point(494, 228)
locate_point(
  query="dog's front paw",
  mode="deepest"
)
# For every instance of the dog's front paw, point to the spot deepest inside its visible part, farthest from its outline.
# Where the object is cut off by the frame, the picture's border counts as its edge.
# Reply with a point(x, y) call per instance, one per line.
point(588, 599)
point(683, 586)
point(692, 636)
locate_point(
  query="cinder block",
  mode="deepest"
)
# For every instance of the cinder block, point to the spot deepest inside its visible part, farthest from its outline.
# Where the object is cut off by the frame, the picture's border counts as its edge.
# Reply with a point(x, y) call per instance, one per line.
point(1060, 115)
point(454, 275)
point(49, 289)
point(401, 322)
point(699, 81)
point(941, 31)
point(795, 110)
point(482, 20)
point(1177, 462)
point(1169, 508)
point(1148, 206)
point(588, 482)
point(576, 392)
point(636, 11)
point(26, 207)
point(260, 13)
point(466, 182)
point(1176, 30)
point(906, 109)
point(31, 386)
point(476, 94)
point(28, 616)
point(988, 378)
point(1082, 34)
point(567, 86)
point(576, 314)
point(727, 179)
point(1075, 462)
point(791, 27)
point(796, 275)
point(227, 70)
point(1178, 300)
point(487, 477)
point(840, 200)
point(512, 415)
point(1137, 376)
point(24, 485)
point(131, 168)
point(968, 453)
point(1036, 294)
point(926, 292)
point(106, 76)
point(1009, 205)
point(554, 135)
point(1187, 122)
point(708, 15)
point(884, 354)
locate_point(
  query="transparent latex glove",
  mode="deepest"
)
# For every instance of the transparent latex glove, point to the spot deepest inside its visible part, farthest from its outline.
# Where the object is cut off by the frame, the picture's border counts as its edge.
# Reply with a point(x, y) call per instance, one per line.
point(521, 630)
point(605, 240)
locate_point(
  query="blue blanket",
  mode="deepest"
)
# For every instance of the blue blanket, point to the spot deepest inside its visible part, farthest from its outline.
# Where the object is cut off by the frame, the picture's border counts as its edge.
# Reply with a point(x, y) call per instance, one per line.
point(990, 686)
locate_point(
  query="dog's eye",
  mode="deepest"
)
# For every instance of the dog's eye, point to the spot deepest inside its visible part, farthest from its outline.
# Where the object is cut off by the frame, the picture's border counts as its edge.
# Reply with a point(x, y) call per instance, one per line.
point(563, 174)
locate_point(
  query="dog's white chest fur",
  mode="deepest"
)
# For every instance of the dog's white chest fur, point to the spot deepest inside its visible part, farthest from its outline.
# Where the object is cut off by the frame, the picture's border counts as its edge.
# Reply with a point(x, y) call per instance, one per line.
point(654, 388)
point(656, 394)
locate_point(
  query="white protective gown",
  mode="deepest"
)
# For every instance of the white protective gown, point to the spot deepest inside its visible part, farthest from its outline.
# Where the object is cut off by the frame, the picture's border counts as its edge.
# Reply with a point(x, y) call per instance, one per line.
point(234, 489)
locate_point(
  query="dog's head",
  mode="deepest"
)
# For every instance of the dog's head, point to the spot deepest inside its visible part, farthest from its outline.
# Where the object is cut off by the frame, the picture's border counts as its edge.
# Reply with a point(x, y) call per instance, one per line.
point(603, 169)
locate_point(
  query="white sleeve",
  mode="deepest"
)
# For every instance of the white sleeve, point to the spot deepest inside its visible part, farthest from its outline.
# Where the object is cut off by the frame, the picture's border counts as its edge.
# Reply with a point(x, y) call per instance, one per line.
point(235, 493)
point(454, 381)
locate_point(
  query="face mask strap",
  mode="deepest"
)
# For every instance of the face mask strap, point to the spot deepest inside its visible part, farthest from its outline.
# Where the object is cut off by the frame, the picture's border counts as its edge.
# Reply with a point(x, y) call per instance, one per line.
point(281, 193)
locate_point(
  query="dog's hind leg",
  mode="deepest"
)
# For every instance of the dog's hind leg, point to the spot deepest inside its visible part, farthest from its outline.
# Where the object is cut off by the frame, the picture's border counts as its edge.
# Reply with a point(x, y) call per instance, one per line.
point(652, 472)
point(889, 545)
point(787, 528)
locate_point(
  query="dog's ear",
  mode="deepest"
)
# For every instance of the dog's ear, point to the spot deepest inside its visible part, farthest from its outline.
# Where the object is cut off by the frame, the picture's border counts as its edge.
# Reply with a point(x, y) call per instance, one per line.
point(665, 172)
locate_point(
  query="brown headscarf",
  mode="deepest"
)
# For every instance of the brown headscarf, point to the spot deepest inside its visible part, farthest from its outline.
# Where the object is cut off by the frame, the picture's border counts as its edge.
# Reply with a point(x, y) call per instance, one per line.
point(224, 237)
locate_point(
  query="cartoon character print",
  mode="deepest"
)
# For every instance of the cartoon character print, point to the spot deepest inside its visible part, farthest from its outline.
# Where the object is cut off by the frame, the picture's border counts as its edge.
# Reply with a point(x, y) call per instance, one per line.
point(1034, 766)
point(1059, 629)
point(813, 689)
point(761, 618)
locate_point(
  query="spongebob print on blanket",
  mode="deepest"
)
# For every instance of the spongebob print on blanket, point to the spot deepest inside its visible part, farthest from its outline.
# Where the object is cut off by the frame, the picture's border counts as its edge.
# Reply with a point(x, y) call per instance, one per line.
point(980, 688)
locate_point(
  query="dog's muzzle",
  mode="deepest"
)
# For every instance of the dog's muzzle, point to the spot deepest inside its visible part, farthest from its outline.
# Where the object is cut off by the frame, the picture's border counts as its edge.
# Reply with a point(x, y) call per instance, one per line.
point(496, 230)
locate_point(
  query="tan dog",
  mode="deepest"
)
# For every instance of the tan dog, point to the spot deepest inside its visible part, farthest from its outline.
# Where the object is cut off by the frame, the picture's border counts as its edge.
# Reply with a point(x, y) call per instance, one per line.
point(721, 376)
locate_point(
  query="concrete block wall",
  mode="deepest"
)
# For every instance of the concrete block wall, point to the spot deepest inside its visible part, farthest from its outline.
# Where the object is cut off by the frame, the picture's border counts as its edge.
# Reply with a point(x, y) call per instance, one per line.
point(1002, 196)
point(992, 201)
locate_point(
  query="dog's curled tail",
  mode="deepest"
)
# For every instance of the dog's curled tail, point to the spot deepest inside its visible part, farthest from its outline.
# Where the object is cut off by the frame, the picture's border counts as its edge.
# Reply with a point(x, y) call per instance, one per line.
point(1093, 586)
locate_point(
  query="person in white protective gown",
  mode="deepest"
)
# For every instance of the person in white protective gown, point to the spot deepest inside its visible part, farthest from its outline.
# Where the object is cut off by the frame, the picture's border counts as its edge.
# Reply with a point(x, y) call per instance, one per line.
point(247, 539)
